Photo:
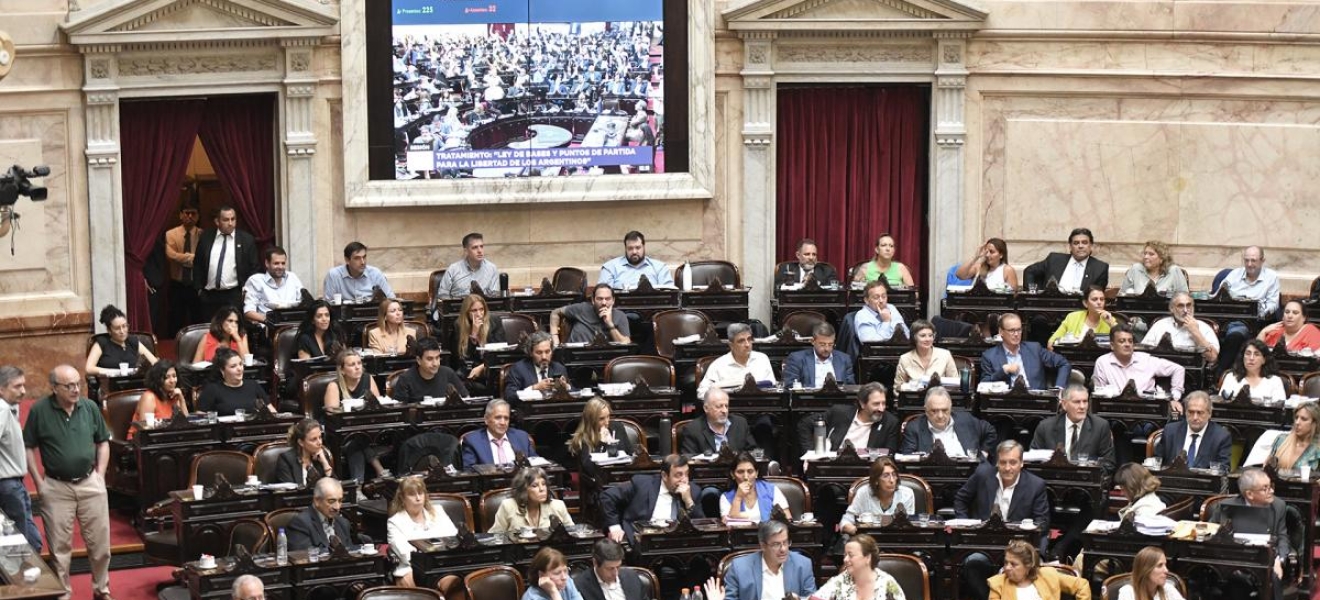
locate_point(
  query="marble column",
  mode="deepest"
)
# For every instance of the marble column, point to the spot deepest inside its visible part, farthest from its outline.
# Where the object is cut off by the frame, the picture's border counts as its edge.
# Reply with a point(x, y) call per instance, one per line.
point(105, 211)
point(299, 186)
point(758, 233)
point(947, 178)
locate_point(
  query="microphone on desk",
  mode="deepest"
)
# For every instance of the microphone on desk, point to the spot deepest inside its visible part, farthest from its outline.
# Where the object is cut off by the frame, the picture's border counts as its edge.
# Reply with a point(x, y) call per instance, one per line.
point(504, 282)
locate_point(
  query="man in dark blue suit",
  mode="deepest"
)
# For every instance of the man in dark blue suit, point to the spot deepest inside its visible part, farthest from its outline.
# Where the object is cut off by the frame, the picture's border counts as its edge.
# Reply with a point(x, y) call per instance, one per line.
point(536, 372)
point(962, 433)
point(1016, 358)
point(497, 443)
point(1204, 441)
point(313, 527)
point(650, 497)
point(744, 579)
point(1005, 488)
point(809, 366)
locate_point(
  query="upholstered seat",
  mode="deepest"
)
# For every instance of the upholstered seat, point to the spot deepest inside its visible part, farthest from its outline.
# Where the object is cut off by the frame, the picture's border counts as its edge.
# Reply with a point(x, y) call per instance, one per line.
point(494, 583)
point(706, 271)
point(910, 573)
point(391, 592)
point(569, 279)
point(187, 340)
point(922, 495)
point(122, 472)
point(234, 465)
point(678, 323)
point(795, 492)
point(802, 322)
point(311, 398)
point(517, 327)
point(251, 534)
point(264, 459)
point(456, 507)
point(657, 371)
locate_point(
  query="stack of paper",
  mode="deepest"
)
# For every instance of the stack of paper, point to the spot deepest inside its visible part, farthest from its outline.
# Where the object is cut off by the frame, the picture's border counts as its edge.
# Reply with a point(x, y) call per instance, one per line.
point(1040, 455)
point(688, 339)
point(603, 458)
point(1154, 524)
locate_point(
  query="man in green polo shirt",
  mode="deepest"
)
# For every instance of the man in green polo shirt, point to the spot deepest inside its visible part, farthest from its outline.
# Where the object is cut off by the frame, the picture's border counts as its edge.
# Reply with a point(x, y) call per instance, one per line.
point(75, 448)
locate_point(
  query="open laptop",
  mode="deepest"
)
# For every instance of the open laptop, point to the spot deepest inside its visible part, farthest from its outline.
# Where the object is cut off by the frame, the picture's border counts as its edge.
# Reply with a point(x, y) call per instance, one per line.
point(1248, 519)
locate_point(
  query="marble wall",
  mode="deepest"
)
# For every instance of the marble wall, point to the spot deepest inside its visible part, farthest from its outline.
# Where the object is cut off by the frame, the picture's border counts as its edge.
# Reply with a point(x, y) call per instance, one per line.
point(1190, 122)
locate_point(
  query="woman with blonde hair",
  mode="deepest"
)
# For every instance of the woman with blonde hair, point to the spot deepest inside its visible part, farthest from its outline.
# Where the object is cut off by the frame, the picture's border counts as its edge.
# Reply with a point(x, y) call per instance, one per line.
point(413, 517)
point(475, 328)
point(1156, 268)
point(531, 504)
point(391, 335)
point(1139, 485)
point(1298, 448)
point(597, 430)
point(1024, 577)
point(1150, 578)
point(354, 382)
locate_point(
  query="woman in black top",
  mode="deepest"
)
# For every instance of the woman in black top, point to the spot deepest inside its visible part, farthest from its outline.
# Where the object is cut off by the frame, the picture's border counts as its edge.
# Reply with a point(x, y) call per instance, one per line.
point(318, 335)
point(307, 459)
point(354, 382)
point(116, 347)
point(475, 327)
point(232, 392)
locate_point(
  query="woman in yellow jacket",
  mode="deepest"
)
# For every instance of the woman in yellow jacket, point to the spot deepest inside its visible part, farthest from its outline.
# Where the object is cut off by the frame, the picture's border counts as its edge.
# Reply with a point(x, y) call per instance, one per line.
point(1024, 577)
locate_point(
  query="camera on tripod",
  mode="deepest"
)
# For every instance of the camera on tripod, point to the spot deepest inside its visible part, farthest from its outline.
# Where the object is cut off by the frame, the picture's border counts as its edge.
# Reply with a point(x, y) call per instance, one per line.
point(18, 182)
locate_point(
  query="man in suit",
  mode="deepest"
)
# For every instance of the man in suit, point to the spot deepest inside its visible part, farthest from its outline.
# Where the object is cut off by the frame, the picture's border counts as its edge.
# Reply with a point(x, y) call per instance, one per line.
point(714, 428)
point(866, 424)
point(1015, 358)
point(1005, 488)
point(773, 572)
point(961, 433)
point(316, 524)
point(1204, 441)
point(1076, 270)
point(606, 579)
point(809, 367)
point(1256, 489)
point(226, 257)
point(538, 372)
point(180, 248)
point(1078, 431)
point(497, 443)
point(794, 273)
point(650, 497)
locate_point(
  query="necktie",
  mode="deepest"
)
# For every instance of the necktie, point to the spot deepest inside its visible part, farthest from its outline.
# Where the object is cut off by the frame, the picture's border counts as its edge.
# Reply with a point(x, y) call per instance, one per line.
point(545, 374)
point(220, 264)
point(499, 451)
point(1191, 450)
point(674, 503)
point(188, 248)
point(1072, 441)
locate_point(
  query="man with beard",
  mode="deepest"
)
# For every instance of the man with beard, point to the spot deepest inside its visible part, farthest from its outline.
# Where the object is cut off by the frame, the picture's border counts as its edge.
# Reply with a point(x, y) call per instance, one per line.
point(591, 318)
point(866, 424)
point(622, 273)
point(276, 286)
point(714, 428)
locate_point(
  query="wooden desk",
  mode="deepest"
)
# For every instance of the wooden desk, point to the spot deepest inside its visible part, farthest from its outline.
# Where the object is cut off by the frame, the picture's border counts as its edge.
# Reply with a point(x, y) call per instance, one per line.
point(988, 539)
point(646, 300)
point(436, 558)
point(831, 302)
point(540, 304)
point(908, 401)
point(718, 304)
point(1018, 411)
point(1191, 560)
point(1221, 307)
point(18, 557)
point(586, 364)
point(347, 575)
point(977, 304)
point(165, 452)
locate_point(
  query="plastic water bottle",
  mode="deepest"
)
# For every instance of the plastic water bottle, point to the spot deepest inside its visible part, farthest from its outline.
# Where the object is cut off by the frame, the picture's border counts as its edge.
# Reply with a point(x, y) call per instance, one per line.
point(819, 435)
point(282, 549)
point(696, 593)
point(687, 286)
point(685, 594)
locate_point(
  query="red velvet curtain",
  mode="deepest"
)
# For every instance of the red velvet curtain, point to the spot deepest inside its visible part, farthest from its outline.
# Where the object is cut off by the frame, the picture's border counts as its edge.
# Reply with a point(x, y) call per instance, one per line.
point(852, 164)
point(156, 141)
point(239, 136)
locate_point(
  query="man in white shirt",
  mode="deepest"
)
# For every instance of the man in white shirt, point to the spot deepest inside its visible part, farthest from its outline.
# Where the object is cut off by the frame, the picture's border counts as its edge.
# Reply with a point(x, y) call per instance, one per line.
point(1252, 281)
point(458, 277)
point(607, 579)
point(277, 285)
point(730, 370)
point(878, 320)
point(14, 499)
point(1184, 329)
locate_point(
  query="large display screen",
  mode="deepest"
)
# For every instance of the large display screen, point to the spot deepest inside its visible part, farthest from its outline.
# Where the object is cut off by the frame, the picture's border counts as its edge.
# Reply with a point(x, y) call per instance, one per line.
point(527, 88)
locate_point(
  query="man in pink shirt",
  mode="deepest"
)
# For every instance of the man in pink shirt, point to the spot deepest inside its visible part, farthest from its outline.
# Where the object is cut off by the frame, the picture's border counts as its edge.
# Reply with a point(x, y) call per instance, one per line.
point(1123, 364)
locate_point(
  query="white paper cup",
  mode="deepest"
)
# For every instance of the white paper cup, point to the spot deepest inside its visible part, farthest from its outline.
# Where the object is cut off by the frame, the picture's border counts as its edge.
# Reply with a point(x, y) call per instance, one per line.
point(123, 368)
point(197, 492)
point(150, 419)
point(253, 480)
point(1306, 472)
point(339, 298)
point(248, 360)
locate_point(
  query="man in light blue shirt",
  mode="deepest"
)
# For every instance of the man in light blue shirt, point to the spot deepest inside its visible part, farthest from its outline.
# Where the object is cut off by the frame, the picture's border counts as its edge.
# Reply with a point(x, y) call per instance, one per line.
point(355, 279)
point(1251, 281)
point(878, 320)
point(458, 277)
point(278, 285)
point(622, 273)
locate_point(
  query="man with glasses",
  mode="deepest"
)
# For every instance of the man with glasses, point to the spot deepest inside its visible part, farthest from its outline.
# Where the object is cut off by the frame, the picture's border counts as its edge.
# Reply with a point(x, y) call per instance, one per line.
point(1015, 359)
point(1252, 281)
point(74, 443)
point(1185, 331)
point(810, 366)
point(248, 587)
point(1257, 490)
point(771, 573)
point(961, 433)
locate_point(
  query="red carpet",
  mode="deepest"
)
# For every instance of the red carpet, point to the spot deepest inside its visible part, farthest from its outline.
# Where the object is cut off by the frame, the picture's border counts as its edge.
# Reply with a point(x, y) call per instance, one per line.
point(128, 584)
